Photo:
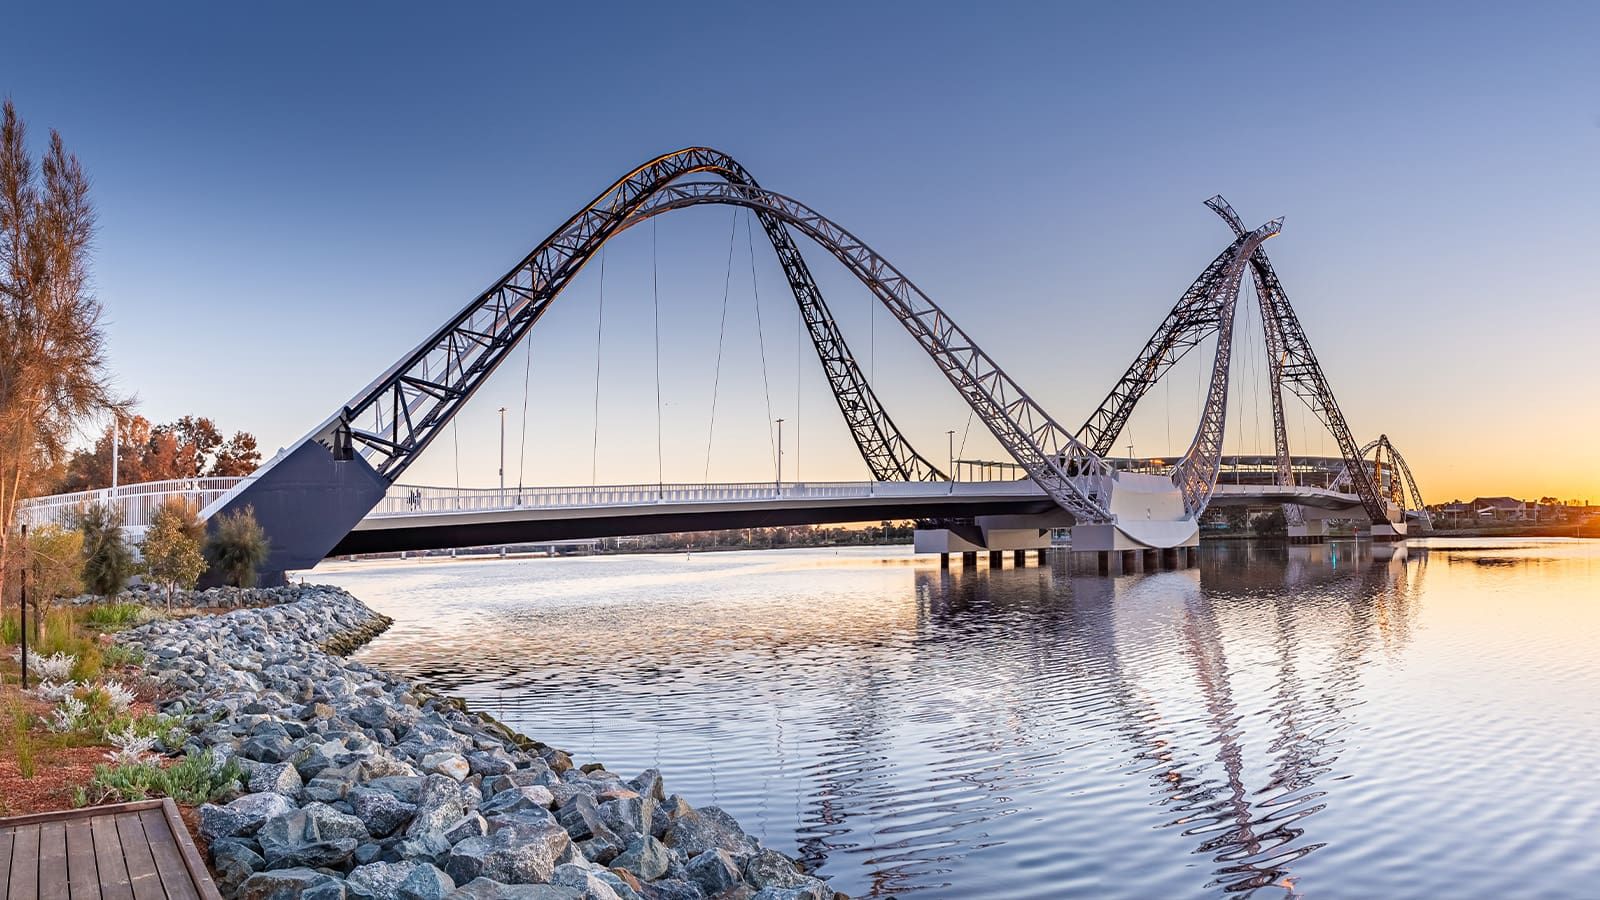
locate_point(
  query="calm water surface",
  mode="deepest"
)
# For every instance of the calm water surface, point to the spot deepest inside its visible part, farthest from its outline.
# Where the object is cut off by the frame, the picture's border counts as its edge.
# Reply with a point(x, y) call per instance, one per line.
point(1305, 722)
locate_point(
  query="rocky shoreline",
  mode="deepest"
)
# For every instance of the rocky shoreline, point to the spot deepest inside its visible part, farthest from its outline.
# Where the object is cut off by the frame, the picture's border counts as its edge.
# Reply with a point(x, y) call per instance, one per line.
point(360, 785)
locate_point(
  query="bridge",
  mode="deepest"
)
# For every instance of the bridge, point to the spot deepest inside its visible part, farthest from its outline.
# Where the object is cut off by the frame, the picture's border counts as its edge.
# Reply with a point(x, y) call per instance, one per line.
point(335, 490)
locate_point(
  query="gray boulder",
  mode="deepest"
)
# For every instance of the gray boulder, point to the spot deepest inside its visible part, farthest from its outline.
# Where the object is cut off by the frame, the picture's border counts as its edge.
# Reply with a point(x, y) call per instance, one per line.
point(276, 778)
point(426, 882)
point(517, 854)
point(646, 857)
point(379, 810)
point(291, 884)
point(233, 861)
point(583, 880)
point(242, 816)
point(489, 889)
point(438, 805)
point(714, 871)
point(292, 841)
point(379, 880)
point(710, 828)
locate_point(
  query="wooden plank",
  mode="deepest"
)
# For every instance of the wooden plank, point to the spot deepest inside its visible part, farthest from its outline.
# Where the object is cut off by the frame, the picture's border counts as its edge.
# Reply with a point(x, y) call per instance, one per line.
point(136, 853)
point(191, 856)
point(7, 839)
point(53, 861)
point(58, 815)
point(114, 883)
point(83, 875)
point(23, 881)
point(175, 875)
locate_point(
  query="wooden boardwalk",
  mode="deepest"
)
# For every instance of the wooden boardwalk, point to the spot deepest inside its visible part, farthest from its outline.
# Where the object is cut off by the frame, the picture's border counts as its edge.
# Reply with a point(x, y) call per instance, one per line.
point(129, 851)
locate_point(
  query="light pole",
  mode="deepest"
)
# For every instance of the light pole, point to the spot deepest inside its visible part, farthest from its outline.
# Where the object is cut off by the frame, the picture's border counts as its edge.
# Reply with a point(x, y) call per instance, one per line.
point(115, 448)
point(502, 455)
point(952, 435)
point(778, 482)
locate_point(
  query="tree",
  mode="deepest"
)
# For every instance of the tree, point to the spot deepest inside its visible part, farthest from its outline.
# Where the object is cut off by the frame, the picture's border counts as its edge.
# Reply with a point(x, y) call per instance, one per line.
point(55, 564)
point(174, 546)
point(238, 456)
point(52, 348)
point(237, 546)
point(107, 560)
point(187, 448)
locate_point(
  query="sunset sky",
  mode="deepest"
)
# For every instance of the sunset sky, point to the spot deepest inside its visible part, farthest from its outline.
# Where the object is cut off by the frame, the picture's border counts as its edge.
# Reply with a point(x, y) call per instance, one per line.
point(291, 196)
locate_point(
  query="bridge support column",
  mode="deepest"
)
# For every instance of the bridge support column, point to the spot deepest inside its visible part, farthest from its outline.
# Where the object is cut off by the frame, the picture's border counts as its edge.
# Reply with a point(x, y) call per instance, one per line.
point(1019, 558)
point(1131, 561)
point(944, 560)
point(997, 559)
point(1170, 557)
point(1314, 531)
point(1385, 532)
point(1042, 556)
point(969, 559)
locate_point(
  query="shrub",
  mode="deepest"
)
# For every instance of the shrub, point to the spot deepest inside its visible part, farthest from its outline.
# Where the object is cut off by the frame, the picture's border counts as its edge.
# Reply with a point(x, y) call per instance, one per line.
point(10, 629)
point(115, 616)
point(55, 567)
point(122, 655)
point(198, 779)
point(174, 546)
point(18, 738)
point(237, 546)
point(107, 560)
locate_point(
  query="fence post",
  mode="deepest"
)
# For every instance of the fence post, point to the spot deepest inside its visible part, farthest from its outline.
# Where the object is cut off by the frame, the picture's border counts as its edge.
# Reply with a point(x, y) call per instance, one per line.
point(22, 607)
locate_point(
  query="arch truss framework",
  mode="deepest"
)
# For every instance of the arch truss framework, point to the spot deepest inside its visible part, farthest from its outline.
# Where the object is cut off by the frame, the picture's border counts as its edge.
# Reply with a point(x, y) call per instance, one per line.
point(319, 489)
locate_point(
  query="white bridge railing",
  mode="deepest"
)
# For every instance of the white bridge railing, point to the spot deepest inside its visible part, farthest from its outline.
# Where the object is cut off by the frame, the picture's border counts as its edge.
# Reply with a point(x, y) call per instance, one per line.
point(411, 500)
point(136, 501)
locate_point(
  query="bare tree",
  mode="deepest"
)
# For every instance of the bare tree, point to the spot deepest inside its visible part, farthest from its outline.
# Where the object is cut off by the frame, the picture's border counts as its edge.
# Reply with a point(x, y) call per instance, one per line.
point(52, 350)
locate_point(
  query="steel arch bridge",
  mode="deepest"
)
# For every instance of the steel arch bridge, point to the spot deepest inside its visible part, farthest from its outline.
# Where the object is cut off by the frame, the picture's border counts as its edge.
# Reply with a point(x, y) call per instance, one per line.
point(313, 494)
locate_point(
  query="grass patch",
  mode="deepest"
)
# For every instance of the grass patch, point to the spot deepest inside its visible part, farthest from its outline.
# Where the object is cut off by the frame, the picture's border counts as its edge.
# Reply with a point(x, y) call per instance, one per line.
point(118, 655)
point(19, 739)
point(194, 781)
point(10, 629)
point(115, 616)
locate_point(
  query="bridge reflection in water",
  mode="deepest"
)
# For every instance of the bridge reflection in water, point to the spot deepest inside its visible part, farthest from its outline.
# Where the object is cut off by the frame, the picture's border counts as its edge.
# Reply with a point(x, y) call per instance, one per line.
point(1012, 732)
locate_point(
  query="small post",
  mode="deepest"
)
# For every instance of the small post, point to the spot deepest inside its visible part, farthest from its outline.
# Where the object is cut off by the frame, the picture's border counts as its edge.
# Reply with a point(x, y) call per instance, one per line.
point(22, 607)
point(777, 483)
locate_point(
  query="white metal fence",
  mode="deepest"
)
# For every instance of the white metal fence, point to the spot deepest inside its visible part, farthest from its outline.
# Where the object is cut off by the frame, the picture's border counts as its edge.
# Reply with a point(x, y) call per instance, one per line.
point(136, 501)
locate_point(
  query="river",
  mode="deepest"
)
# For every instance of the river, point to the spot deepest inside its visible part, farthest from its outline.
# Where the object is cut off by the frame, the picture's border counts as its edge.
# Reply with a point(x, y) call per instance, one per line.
point(1333, 721)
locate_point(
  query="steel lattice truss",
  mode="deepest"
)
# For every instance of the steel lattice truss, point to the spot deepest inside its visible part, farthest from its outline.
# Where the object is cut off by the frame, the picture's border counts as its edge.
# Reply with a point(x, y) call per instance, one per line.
point(1196, 474)
point(1402, 486)
point(1295, 365)
point(397, 416)
point(1073, 475)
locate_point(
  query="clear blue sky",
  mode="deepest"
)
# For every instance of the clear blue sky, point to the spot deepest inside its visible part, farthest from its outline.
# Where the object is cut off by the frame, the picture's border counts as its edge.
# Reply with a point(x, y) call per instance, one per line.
point(293, 194)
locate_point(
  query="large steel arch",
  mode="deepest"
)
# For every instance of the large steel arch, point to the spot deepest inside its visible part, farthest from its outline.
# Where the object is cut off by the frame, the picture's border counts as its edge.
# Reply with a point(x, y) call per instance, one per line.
point(1069, 471)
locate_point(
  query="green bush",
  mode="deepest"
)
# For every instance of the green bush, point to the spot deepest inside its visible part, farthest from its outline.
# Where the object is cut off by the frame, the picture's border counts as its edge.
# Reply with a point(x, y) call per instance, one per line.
point(174, 546)
point(107, 560)
point(18, 739)
point(122, 655)
point(237, 546)
point(194, 781)
point(114, 616)
point(10, 629)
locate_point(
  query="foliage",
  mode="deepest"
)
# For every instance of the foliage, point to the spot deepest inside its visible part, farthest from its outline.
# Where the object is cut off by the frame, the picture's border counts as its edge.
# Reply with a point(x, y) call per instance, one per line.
point(129, 747)
point(53, 667)
point(122, 655)
point(107, 560)
point(198, 779)
point(191, 447)
point(10, 628)
point(18, 739)
point(52, 347)
point(116, 616)
point(55, 561)
point(1271, 522)
point(237, 547)
point(174, 546)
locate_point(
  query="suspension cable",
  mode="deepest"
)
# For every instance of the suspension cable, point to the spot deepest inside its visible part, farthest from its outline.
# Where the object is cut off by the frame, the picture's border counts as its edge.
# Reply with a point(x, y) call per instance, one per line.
point(761, 338)
point(599, 331)
point(722, 330)
point(655, 299)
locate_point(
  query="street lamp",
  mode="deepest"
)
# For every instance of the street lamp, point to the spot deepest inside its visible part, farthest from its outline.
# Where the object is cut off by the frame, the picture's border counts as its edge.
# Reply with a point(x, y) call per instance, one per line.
point(778, 482)
point(502, 455)
point(952, 435)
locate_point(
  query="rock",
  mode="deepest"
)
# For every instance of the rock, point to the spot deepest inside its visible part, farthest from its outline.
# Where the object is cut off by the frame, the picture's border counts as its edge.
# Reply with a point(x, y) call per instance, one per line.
point(233, 861)
point(242, 816)
point(291, 840)
point(623, 884)
point(769, 868)
point(581, 818)
point(379, 880)
point(645, 857)
point(426, 882)
point(627, 816)
point(817, 891)
point(708, 829)
point(438, 805)
point(518, 799)
point(429, 847)
point(649, 784)
point(292, 884)
point(469, 826)
point(445, 763)
point(332, 824)
point(674, 889)
point(584, 881)
point(270, 748)
point(333, 783)
point(494, 761)
point(518, 854)
point(379, 810)
point(489, 889)
point(714, 871)
point(276, 778)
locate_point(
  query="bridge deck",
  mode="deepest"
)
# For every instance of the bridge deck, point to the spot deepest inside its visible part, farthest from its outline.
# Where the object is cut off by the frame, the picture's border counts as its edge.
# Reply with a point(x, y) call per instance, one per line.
point(128, 851)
